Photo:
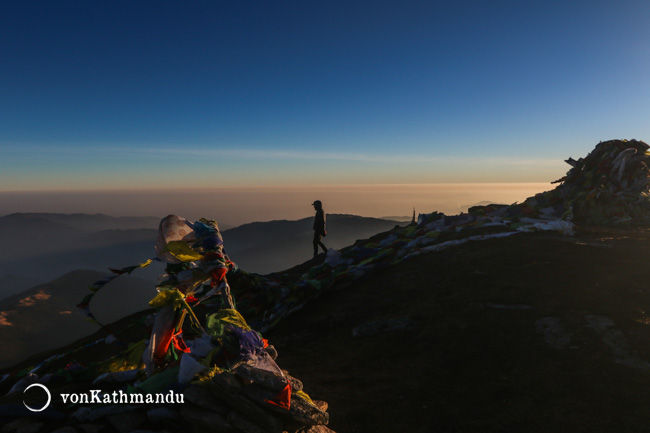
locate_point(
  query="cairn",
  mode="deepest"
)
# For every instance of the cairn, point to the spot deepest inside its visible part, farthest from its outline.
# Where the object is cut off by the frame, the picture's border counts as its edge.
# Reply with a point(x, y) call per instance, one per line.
point(203, 369)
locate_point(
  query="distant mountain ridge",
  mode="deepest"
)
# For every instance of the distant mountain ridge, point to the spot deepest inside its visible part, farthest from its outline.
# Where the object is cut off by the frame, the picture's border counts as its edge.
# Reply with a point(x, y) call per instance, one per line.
point(81, 221)
point(273, 246)
point(38, 247)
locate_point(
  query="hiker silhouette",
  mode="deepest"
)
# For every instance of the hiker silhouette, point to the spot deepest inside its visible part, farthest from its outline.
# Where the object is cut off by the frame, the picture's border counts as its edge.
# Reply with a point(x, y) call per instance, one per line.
point(319, 227)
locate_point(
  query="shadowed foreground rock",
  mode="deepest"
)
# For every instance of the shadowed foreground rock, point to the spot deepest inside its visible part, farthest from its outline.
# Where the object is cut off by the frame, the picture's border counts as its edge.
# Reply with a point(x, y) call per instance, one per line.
point(238, 401)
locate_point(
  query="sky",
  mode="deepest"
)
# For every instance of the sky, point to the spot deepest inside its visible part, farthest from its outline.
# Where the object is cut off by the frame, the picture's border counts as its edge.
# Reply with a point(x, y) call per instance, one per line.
point(116, 99)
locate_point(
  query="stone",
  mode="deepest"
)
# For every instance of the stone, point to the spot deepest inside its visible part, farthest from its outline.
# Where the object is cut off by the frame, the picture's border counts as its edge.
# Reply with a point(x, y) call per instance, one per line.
point(296, 385)
point(249, 409)
point(202, 397)
point(226, 381)
point(616, 341)
point(300, 410)
point(204, 420)
point(272, 351)
point(91, 428)
point(258, 376)
point(306, 413)
point(319, 429)
point(66, 429)
point(554, 332)
point(163, 416)
point(86, 414)
point(23, 425)
point(126, 422)
point(244, 424)
point(310, 429)
point(260, 394)
point(147, 431)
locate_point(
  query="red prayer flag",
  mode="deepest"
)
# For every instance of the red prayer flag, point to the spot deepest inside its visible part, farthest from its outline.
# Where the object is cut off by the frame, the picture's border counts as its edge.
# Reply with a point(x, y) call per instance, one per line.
point(283, 399)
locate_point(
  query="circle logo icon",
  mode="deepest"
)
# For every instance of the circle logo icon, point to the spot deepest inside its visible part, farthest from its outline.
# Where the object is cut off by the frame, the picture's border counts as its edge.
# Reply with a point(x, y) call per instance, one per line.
point(47, 391)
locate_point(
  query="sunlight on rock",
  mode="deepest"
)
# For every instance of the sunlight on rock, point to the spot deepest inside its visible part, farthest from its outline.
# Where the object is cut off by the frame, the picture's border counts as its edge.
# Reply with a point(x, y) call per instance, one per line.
point(31, 300)
point(3, 318)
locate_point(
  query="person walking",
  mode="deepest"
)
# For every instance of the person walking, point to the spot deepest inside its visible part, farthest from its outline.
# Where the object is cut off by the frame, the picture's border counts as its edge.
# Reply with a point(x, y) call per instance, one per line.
point(319, 227)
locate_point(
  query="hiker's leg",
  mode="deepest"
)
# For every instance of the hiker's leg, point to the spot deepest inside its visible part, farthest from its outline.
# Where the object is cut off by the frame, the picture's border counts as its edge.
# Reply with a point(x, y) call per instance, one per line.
point(316, 242)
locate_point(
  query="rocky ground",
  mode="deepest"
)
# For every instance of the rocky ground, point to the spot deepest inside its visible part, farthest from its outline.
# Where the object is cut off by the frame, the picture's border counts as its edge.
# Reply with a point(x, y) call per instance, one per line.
point(529, 333)
point(534, 332)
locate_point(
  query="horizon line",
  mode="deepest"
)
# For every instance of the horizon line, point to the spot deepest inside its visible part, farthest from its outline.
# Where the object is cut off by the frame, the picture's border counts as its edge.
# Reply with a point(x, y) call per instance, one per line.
point(278, 186)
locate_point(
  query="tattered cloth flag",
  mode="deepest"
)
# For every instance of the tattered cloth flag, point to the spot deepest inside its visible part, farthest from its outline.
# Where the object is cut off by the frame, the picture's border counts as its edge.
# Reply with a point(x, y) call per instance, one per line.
point(84, 305)
point(196, 270)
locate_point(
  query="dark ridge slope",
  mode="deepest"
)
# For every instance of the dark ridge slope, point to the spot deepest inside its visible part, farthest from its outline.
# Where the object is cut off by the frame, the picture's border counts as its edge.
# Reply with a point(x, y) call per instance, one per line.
point(532, 333)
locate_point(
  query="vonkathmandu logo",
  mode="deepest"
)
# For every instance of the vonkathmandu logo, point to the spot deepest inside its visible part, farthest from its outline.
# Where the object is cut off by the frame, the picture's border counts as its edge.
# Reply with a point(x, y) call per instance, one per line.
point(47, 391)
point(121, 397)
point(96, 396)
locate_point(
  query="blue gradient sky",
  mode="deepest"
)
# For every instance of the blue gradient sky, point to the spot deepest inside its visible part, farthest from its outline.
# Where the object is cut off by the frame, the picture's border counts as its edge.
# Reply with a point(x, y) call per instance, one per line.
point(158, 94)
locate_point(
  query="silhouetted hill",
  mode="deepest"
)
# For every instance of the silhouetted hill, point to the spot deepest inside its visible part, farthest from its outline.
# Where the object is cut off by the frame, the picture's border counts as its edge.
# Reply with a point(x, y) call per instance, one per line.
point(272, 246)
point(46, 317)
point(12, 283)
point(36, 248)
point(480, 203)
point(403, 218)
